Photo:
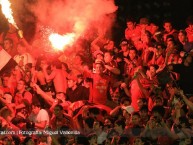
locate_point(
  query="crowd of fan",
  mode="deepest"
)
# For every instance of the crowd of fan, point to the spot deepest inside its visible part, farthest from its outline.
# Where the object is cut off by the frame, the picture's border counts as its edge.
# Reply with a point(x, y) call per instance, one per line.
point(137, 93)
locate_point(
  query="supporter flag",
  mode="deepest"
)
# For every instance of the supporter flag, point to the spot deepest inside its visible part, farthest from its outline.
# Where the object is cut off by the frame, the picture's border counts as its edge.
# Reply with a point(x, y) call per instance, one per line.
point(6, 62)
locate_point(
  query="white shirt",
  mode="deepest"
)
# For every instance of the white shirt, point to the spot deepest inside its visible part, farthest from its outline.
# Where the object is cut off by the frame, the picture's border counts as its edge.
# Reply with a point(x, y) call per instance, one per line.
point(41, 116)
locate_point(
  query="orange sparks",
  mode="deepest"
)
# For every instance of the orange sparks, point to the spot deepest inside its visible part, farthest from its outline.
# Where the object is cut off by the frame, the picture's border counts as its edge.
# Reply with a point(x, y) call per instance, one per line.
point(60, 41)
point(6, 10)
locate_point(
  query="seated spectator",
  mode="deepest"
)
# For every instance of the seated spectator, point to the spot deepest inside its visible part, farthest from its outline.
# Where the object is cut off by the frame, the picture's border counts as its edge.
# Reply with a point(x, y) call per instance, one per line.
point(23, 97)
point(39, 117)
point(60, 118)
point(135, 128)
point(92, 139)
point(99, 130)
point(144, 114)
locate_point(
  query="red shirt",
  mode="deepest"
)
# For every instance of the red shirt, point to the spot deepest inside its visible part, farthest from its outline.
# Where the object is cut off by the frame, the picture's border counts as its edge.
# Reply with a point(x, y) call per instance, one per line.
point(189, 32)
point(99, 89)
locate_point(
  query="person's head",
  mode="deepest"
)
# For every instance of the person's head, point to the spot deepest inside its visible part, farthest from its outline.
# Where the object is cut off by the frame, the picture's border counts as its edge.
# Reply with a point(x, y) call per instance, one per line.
point(108, 56)
point(80, 79)
point(132, 53)
point(160, 49)
point(28, 67)
point(21, 85)
point(58, 110)
point(152, 70)
point(21, 48)
point(124, 45)
point(144, 111)
point(98, 125)
point(182, 36)
point(167, 24)
point(108, 122)
point(119, 125)
point(158, 112)
point(36, 107)
point(6, 79)
point(72, 80)
point(8, 44)
point(131, 23)
point(188, 59)
point(171, 43)
point(158, 101)
point(135, 118)
point(99, 66)
point(92, 139)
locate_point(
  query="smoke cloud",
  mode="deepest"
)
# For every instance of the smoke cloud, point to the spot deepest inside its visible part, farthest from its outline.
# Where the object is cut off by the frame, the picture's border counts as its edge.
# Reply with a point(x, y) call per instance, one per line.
point(85, 18)
point(66, 16)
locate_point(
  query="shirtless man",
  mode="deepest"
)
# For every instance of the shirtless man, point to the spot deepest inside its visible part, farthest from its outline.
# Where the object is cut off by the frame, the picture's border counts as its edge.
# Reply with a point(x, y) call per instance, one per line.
point(57, 77)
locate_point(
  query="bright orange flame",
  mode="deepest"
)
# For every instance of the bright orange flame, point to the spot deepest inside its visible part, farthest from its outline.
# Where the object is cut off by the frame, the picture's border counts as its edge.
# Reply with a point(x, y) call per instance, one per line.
point(6, 10)
point(60, 41)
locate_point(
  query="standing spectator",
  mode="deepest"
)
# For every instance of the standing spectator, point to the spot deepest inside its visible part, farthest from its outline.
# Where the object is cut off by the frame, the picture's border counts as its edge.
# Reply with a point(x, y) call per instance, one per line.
point(56, 76)
point(101, 84)
point(132, 32)
point(169, 30)
point(111, 68)
point(132, 63)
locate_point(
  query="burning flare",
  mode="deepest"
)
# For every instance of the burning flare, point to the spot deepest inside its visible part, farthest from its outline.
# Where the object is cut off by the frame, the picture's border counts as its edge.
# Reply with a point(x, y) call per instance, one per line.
point(6, 10)
point(60, 41)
